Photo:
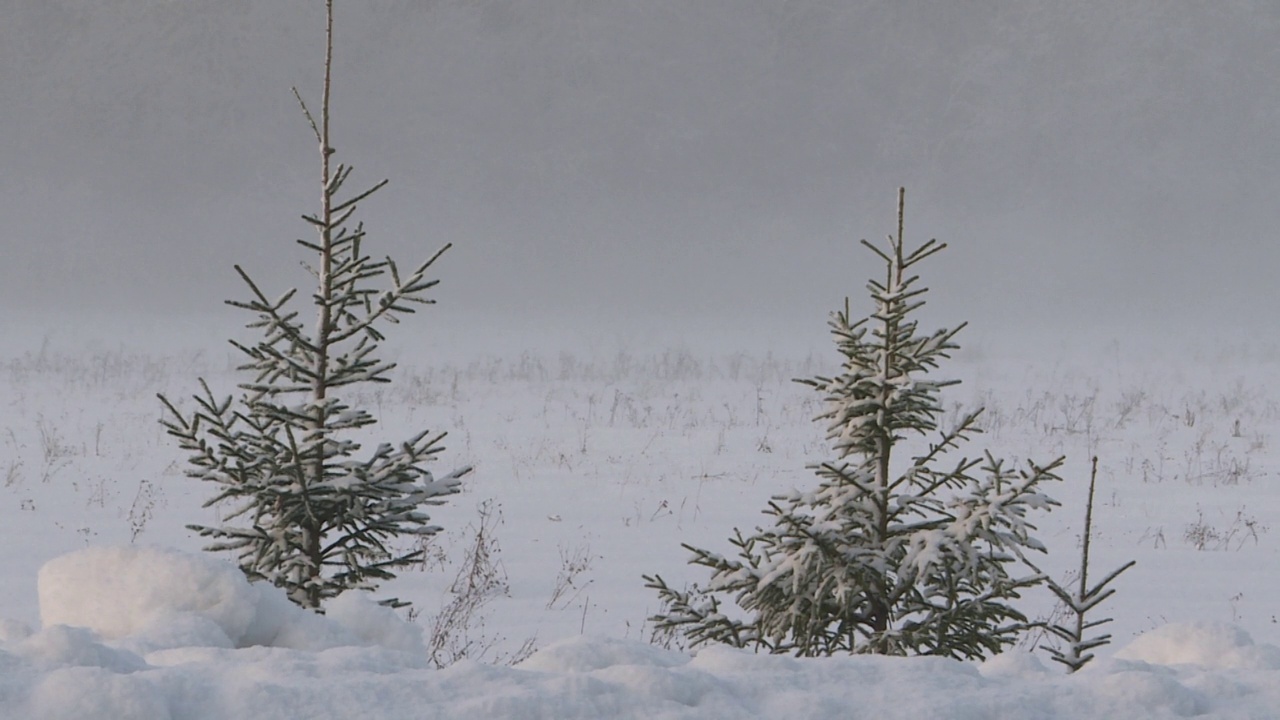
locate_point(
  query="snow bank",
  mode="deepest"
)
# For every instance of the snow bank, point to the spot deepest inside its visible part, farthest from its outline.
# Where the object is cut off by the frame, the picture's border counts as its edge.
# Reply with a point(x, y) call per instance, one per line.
point(156, 634)
point(148, 599)
point(1211, 645)
point(170, 597)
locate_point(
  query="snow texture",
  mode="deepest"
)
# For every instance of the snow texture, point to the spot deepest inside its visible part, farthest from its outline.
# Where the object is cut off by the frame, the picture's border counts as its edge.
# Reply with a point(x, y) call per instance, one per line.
point(157, 634)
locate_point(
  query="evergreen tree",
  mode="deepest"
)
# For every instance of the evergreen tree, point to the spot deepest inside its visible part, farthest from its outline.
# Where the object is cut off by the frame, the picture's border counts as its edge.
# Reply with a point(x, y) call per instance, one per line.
point(304, 512)
point(884, 556)
point(1078, 602)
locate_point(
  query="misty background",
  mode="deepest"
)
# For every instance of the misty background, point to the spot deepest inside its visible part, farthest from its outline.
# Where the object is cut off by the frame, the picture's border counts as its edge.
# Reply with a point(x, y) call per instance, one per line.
point(603, 166)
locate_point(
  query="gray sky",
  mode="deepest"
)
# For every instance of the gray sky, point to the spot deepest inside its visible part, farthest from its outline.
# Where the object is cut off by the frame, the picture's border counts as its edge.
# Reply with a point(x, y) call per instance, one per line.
point(603, 162)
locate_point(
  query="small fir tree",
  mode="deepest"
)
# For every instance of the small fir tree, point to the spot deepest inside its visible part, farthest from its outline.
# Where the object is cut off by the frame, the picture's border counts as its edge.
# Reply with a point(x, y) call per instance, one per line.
point(305, 512)
point(884, 556)
point(1078, 602)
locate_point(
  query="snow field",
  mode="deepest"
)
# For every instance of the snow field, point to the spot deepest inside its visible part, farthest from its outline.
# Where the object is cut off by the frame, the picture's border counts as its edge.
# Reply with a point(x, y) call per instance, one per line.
point(590, 470)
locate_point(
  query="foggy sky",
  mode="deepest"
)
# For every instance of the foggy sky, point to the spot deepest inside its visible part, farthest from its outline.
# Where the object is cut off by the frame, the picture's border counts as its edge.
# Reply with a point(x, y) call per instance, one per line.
point(596, 162)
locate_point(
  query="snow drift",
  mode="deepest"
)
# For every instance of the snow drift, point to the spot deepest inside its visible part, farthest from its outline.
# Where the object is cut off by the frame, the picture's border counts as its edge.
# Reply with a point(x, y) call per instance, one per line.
point(148, 599)
point(154, 633)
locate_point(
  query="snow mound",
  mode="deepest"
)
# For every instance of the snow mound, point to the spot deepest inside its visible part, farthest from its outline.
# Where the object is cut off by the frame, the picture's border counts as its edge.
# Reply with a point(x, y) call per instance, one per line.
point(372, 624)
point(148, 599)
point(123, 591)
point(1206, 644)
point(1013, 664)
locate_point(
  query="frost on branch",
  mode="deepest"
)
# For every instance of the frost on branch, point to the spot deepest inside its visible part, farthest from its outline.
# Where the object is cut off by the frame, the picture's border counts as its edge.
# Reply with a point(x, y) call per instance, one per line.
point(921, 557)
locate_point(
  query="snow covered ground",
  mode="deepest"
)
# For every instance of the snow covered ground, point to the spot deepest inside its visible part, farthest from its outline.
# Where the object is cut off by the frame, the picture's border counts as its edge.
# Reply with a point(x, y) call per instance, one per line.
point(592, 466)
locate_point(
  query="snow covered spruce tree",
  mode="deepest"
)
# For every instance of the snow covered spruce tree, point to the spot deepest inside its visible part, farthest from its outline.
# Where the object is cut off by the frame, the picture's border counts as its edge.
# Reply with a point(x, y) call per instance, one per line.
point(304, 512)
point(886, 555)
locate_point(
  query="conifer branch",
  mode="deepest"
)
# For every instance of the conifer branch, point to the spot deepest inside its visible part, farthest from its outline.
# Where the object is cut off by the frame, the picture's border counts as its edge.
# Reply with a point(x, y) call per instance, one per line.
point(305, 111)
